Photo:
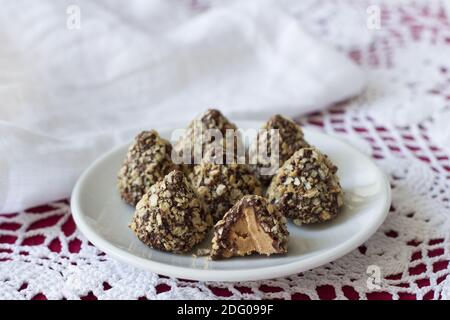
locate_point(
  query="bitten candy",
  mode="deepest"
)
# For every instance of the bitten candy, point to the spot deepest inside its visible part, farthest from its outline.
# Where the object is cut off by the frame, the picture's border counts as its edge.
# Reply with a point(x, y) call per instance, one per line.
point(252, 225)
point(220, 186)
point(307, 188)
point(148, 161)
point(170, 217)
point(291, 139)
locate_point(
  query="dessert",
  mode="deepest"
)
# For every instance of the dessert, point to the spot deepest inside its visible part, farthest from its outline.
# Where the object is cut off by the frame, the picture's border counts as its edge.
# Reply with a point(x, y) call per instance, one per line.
point(290, 140)
point(306, 188)
point(252, 225)
point(170, 217)
point(207, 130)
point(148, 161)
point(221, 186)
point(177, 202)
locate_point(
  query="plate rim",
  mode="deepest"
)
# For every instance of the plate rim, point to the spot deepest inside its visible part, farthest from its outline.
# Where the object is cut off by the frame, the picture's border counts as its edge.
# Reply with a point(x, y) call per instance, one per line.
point(252, 274)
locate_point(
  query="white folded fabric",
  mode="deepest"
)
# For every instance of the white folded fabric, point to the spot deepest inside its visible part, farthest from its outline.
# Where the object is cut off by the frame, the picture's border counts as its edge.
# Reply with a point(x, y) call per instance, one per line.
point(67, 95)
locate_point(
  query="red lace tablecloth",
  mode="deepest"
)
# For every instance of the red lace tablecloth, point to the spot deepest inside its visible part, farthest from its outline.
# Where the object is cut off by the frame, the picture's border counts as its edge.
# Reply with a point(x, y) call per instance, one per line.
point(400, 121)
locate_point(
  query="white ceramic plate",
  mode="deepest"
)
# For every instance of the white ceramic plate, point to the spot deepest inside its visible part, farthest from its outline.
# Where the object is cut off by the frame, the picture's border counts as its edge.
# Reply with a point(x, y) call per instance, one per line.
point(103, 218)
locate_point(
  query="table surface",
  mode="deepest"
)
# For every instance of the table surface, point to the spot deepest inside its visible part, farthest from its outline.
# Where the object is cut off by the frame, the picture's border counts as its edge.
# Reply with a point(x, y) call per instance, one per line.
point(44, 256)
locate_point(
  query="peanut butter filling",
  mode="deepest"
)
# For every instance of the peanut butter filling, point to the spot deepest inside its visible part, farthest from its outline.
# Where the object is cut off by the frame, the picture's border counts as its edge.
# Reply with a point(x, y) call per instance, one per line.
point(249, 237)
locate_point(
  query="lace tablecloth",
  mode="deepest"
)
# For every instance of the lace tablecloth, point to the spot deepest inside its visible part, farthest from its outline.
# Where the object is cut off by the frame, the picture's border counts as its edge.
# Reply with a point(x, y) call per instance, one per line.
point(401, 120)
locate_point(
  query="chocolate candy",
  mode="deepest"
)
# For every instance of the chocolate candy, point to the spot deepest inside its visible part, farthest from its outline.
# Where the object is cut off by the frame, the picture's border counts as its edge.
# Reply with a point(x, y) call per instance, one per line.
point(252, 225)
point(290, 137)
point(307, 188)
point(170, 217)
point(148, 161)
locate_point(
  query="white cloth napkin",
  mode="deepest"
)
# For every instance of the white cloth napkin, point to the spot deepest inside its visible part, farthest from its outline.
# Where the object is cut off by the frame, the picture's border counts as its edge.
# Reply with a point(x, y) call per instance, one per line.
point(67, 95)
